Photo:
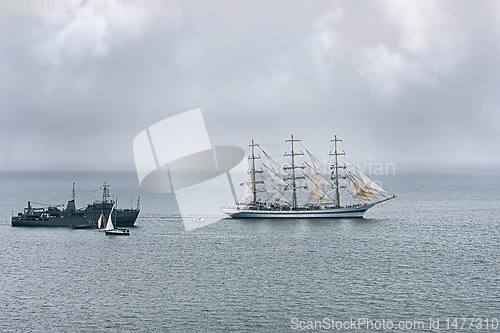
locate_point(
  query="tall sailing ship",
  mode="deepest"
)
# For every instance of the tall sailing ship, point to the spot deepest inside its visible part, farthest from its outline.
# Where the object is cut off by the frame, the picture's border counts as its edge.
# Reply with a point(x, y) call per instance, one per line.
point(285, 186)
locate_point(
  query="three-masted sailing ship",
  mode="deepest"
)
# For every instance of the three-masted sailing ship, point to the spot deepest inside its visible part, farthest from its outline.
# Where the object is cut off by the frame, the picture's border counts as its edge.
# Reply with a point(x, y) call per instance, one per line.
point(284, 186)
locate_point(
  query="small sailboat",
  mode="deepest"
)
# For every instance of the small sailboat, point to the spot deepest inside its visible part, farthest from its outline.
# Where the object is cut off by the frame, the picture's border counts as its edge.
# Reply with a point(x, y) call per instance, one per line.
point(110, 228)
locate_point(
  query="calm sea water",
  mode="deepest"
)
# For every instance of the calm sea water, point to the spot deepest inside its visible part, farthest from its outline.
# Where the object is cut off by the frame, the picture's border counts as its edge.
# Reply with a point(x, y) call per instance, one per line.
point(434, 252)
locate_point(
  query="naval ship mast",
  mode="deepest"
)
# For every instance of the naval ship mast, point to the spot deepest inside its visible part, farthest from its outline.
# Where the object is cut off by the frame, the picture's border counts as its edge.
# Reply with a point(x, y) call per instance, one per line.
point(336, 167)
point(293, 167)
point(105, 192)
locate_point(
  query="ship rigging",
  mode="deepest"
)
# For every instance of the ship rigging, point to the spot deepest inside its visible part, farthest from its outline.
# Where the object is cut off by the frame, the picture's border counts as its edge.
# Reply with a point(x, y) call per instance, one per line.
point(325, 187)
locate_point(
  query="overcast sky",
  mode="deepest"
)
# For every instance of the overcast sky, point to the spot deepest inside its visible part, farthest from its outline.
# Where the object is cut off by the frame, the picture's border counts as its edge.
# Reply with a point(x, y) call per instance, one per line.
point(400, 81)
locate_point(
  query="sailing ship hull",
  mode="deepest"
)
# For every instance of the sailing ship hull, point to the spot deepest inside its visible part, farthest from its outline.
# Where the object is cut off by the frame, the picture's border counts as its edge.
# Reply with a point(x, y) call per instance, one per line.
point(344, 212)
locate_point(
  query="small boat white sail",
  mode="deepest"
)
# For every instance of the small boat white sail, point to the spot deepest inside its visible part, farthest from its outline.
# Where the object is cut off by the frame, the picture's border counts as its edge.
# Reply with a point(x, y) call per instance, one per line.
point(324, 194)
point(100, 222)
point(110, 228)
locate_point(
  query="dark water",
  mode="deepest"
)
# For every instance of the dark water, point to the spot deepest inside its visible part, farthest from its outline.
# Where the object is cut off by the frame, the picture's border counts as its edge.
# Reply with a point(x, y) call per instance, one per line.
point(434, 252)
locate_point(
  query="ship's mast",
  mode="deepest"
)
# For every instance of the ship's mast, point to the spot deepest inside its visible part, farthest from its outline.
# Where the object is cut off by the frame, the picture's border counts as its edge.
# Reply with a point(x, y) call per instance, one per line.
point(336, 167)
point(105, 192)
point(73, 193)
point(293, 167)
point(253, 171)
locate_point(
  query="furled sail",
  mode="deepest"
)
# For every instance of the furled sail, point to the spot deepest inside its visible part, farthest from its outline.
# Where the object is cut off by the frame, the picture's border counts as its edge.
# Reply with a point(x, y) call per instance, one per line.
point(315, 192)
point(247, 194)
point(277, 180)
point(110, 226)
point(320, 168)
point(373, 186)
point(278, 169)
point(318, 178)
point(273, 194)
point(357, 192)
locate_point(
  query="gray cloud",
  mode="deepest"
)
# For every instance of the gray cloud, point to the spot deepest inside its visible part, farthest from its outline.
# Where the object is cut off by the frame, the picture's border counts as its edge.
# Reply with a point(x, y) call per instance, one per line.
point(403, 82)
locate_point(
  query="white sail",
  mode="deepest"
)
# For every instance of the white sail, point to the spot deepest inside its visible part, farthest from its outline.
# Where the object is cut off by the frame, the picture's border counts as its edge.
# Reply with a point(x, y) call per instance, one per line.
point(376, 188)
point(273, 194)
point(315, 192)
point(366, 190)
point(278, 169)
point(100, 222)
point(357, 192)
point(109, 226)
point(318, 178)
point(277, 180)
point(320, 168)
point(247, 194)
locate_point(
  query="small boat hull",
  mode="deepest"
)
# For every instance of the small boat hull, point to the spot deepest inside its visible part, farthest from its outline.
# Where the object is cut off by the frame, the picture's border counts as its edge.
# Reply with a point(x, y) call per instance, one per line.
point(342, 212)
point(118, 232)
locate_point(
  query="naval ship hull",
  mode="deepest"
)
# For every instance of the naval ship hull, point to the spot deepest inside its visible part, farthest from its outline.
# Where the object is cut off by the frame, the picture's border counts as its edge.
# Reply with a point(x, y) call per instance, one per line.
point(122, 217)
point(64, 222)
point(52, 217)
point(126, 218)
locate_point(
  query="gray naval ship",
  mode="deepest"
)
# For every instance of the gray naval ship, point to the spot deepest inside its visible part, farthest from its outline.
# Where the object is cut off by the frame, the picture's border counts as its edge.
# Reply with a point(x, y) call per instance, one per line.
point(122, 217)
point(53, 216)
